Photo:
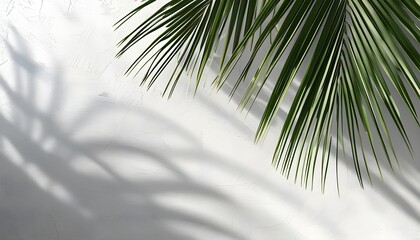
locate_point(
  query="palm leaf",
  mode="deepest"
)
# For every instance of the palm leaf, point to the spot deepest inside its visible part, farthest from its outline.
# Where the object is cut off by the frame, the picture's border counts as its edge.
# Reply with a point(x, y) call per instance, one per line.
point(354, 56)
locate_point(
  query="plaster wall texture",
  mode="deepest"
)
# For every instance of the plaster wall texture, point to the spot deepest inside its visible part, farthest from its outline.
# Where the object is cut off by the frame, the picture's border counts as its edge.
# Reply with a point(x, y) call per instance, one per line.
point(86, 154)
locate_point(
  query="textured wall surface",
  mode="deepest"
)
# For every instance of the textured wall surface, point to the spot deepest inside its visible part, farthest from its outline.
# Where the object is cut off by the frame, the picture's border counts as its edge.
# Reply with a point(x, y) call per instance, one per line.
point(86, 154)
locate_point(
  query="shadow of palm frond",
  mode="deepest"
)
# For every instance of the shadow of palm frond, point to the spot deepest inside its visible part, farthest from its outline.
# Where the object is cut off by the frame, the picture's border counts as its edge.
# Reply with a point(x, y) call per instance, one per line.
point(47, 170)
point(60, 177)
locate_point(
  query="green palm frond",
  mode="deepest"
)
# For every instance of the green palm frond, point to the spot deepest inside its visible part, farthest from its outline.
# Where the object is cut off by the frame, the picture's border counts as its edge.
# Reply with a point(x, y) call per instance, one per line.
point(355, 55)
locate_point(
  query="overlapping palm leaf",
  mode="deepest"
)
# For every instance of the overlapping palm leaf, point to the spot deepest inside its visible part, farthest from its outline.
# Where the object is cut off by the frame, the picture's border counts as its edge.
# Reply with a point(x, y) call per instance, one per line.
point(355, 56)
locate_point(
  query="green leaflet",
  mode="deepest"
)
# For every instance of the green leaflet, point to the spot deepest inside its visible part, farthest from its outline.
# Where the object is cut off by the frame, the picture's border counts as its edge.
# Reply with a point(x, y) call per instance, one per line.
point(362, 55)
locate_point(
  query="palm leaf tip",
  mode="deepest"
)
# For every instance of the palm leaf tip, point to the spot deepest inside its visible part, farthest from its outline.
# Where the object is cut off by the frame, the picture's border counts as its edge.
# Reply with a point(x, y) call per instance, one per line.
point(359, 58)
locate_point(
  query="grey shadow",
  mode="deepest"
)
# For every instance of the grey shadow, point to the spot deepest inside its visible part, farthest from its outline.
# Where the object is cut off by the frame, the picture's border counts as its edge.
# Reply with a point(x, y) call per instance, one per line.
point(42, 194)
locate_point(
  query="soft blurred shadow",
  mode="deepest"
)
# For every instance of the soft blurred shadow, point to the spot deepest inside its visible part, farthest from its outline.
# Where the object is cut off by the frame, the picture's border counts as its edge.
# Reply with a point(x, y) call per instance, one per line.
point(45, 176)
point(43, 179)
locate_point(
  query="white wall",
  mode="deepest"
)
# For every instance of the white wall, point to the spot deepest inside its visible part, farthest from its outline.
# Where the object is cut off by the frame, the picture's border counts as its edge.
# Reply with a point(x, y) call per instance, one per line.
point(87, 154)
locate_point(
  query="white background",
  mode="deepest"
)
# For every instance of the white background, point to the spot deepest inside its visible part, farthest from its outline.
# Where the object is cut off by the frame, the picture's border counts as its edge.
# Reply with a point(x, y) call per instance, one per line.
point(87, 154)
